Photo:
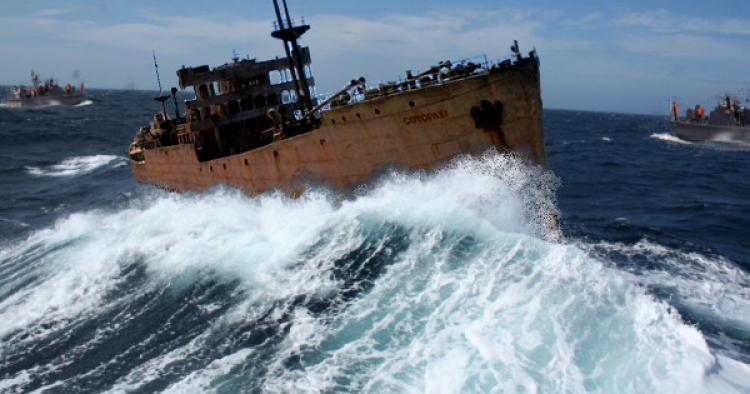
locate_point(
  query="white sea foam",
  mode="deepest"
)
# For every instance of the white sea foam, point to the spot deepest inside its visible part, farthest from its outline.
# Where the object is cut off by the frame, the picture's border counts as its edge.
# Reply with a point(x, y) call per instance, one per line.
point(202, 381)
point(476, 301)
point(521, 315)
point(7, 385)
point(73, 263)
point(711, 288)
point(669, 137)
point(78, 166)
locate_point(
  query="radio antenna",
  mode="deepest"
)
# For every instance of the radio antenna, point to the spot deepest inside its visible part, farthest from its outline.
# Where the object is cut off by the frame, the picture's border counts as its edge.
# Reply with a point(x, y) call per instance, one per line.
point(161, 97)
point(156, 66)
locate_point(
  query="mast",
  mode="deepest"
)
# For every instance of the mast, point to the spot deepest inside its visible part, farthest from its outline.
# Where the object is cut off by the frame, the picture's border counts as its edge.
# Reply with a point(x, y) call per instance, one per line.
point(289, 34)
point(161, 97)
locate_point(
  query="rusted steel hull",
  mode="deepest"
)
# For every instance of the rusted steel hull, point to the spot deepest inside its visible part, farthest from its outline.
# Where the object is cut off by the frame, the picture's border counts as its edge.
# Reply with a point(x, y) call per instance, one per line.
point(415, 129)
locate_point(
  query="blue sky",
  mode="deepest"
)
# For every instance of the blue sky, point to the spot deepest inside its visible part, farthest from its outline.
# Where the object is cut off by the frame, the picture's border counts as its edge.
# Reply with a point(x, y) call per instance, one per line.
point(627, 56)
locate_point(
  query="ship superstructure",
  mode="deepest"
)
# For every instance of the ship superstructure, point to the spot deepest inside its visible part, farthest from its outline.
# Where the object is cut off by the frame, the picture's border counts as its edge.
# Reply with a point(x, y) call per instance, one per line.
point(259, 125)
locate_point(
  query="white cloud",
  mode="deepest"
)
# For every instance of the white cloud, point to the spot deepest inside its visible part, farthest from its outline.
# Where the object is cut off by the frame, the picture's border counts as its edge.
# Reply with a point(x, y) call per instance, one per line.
point(665, 21)
point(682, 45)
point(174, 33)
point(634, 49)
point(50, 12)
point(589, 21)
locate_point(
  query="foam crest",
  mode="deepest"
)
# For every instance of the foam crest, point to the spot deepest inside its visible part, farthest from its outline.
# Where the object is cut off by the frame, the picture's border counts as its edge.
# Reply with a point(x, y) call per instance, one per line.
point(77, 166)
point(423, 282)
point(669, 137)
point(58, 274)
point(505, 191)
point(68, 271)
point(708, 287)
point(517, 314)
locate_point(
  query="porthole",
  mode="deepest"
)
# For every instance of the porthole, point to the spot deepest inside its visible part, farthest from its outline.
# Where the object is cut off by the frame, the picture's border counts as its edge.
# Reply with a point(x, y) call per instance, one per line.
point(411, 103)
point(377, 111)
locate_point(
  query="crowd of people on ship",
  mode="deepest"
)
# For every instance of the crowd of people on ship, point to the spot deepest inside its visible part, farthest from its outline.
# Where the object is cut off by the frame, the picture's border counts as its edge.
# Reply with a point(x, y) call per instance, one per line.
point(729, 111)
point(49, 86)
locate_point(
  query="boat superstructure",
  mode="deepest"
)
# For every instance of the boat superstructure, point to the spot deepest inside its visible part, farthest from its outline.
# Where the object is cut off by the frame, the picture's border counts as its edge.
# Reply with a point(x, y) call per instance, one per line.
point(46, 93)
point(728, 121)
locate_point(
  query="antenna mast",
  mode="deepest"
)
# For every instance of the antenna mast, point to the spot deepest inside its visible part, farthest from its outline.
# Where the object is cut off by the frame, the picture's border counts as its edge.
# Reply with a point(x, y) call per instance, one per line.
point(289, 34)
point(161, 97)
point(156, 66)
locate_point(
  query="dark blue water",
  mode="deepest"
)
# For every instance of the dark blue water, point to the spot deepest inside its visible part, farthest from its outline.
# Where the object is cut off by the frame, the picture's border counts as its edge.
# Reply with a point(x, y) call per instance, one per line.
point(440, 282)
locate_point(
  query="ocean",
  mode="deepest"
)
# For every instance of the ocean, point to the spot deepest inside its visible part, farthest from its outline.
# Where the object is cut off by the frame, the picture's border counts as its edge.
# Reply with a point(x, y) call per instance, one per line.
point(436, 282)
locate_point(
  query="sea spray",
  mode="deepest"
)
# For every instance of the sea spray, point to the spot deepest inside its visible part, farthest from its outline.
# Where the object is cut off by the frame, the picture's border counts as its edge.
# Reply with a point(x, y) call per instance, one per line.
point(424, 282)
point(77, 166)
point(707, 289)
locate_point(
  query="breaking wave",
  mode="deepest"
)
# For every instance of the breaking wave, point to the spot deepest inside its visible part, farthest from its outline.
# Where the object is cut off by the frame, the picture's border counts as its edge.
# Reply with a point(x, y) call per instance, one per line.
point(710, 291)
point(445, 282)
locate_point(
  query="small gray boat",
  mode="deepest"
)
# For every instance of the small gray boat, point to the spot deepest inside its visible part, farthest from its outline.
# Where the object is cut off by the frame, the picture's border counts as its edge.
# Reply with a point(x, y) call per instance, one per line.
point(729, 121)
point(45, 94)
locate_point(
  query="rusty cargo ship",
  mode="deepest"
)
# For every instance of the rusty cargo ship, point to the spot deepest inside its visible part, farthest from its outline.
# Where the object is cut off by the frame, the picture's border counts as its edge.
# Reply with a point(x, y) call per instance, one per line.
point(259, 125)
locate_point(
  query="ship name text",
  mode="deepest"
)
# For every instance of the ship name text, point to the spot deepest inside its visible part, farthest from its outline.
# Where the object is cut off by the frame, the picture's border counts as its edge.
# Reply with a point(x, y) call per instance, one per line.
point(425, 117)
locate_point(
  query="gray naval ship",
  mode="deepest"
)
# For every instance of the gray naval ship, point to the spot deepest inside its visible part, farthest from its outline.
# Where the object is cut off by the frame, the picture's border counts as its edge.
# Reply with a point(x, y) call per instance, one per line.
point(728, 121)
point(44, 94)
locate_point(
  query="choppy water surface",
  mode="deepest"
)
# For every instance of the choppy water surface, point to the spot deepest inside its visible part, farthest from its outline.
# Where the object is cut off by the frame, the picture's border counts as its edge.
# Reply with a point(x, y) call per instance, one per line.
point(439, 282)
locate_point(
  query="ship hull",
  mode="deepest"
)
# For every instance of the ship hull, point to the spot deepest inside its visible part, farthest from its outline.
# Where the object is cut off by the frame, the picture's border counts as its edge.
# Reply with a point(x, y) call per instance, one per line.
point(706, 132)
point(46, 101)
point(416, 129)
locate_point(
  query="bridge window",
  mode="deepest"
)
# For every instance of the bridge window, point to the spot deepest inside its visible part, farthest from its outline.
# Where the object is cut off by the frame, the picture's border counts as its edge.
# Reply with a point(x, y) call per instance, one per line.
point(275, 77)
point(288, 96)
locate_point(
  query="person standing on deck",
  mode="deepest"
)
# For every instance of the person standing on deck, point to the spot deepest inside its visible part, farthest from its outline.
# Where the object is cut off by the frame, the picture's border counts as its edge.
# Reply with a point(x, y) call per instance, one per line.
point(699, 113)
